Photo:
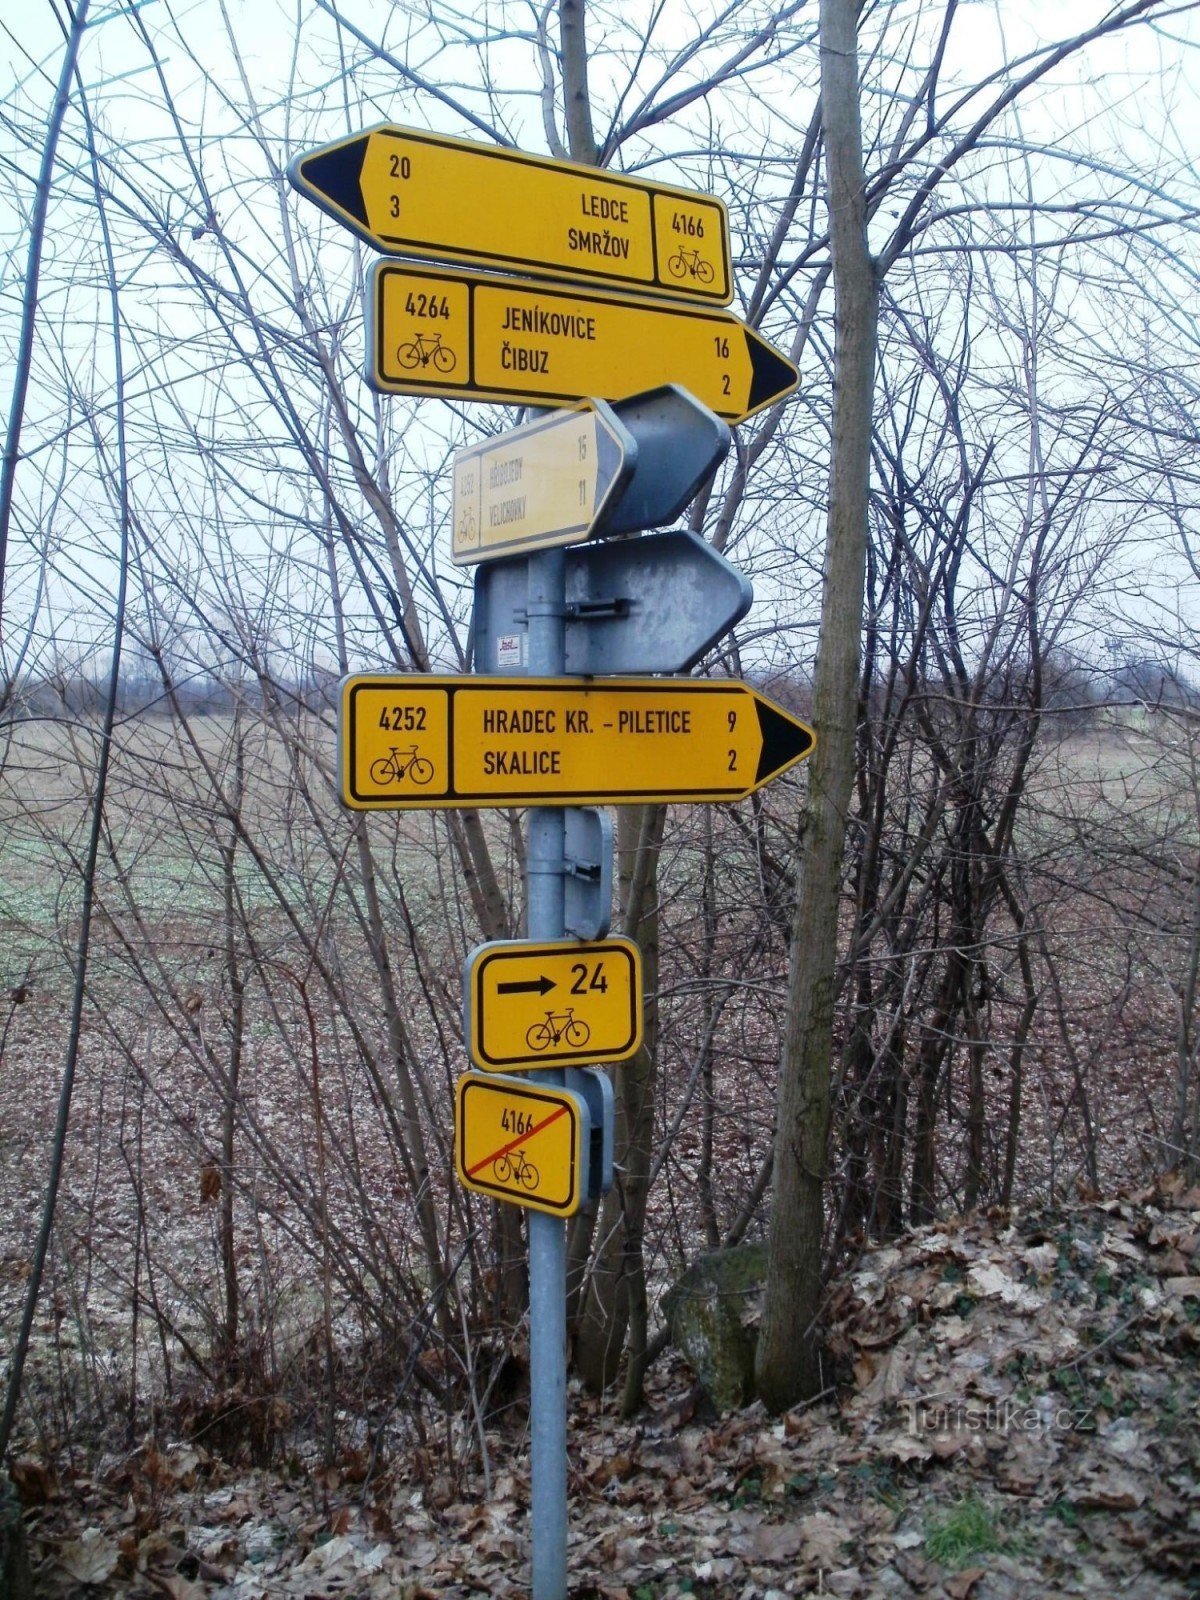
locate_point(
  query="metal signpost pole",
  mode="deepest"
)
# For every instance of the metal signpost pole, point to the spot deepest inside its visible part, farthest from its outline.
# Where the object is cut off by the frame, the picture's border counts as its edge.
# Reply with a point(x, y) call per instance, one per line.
point(547, 1234)
point(656, 606)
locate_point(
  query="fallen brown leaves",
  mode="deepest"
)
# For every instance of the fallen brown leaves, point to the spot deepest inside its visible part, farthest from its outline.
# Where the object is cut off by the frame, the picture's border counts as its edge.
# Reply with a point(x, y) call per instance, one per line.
point(1033, 1377)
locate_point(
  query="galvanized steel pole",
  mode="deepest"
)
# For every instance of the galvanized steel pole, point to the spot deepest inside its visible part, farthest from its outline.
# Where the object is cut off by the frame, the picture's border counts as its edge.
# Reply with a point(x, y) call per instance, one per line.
point(547, 1234)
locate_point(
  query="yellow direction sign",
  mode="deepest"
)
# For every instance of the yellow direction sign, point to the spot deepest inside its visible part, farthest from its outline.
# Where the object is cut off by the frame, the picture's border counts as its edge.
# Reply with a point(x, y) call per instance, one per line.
point(534, 1005)
point(516, 1142)
point(542, 485)
point(513, 342)
point(418, 194)
point(409, 742)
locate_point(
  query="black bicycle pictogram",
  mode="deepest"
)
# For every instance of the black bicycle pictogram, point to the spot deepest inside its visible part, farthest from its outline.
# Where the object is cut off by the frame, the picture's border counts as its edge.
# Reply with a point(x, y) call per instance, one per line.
point(466, 527)
point(425, 348)
point(684, 262)
point(557, 1027)
point(516, 1164)
point(398, 764)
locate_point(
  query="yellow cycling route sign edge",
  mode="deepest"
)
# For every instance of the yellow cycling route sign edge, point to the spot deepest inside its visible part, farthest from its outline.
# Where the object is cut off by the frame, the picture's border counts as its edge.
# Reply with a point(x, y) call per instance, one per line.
point(409, 192)
point(533, 1004)
point(412, 742)
point(521, 1142)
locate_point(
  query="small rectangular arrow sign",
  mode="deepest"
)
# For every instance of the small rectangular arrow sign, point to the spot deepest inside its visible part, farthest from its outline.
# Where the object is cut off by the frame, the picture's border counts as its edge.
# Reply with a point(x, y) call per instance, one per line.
point(637, 605)
point(420, 194)
point(560, 1004)
point(512, 341)
point(526, 1145)
point(545, 484)
point(410, 742)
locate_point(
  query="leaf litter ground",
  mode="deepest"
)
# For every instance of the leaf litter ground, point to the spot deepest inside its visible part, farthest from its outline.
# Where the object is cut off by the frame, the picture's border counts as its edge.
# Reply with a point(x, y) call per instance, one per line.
point(1014, 1410)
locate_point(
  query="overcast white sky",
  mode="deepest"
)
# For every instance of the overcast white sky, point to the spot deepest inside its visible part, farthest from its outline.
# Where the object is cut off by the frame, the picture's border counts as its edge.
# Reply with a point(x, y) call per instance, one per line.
point(1131, 101)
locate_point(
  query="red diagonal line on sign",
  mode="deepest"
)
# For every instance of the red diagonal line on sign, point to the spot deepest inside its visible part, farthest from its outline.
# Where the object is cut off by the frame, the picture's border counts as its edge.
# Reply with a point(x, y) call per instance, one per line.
point(520, 1139)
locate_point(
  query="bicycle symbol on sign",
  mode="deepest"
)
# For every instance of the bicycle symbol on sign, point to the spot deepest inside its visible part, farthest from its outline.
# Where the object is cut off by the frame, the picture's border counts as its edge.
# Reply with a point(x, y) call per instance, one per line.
point(557, 1027)
point(684, 262)
point(516, 1166)
point(466, 527)
point(398, 764)
point(425, 348)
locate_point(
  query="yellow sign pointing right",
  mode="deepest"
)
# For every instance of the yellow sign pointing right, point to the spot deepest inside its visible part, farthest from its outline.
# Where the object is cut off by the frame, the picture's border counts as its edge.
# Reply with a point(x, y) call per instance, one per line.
point(542, 485)
point(515, 342)
point(565, 1003)
point(427, 742)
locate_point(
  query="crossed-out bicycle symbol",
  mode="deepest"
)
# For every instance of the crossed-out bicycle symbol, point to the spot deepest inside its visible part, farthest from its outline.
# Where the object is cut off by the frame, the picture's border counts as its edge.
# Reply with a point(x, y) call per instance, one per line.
point(516, 1166)
point(398, 764)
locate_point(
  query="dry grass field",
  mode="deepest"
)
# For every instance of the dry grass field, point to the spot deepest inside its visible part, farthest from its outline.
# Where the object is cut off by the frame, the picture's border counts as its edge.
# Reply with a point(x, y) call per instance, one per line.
point(210, 933)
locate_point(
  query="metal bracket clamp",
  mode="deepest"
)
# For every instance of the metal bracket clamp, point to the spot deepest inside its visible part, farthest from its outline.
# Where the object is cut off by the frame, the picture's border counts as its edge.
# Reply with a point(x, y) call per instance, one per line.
point(587, 885)
point(583, 869)
point(577, 610)
point(586, 870)
point(598, 610)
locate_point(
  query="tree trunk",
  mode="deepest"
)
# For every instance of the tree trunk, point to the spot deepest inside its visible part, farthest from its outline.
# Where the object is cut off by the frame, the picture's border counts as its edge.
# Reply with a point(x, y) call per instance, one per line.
point(232, 1085)
point(16, 1580)
point(788, 1359)
point(618, 1278)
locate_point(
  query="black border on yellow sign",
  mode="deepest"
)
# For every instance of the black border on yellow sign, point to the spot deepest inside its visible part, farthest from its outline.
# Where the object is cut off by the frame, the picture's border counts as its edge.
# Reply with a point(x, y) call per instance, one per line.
point(785, 741)
point(485, 956)
point(575, 1107)
point(343, 155)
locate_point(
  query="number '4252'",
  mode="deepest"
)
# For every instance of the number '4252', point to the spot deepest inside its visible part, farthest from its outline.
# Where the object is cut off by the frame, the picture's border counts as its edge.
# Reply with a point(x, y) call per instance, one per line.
point(405, 719)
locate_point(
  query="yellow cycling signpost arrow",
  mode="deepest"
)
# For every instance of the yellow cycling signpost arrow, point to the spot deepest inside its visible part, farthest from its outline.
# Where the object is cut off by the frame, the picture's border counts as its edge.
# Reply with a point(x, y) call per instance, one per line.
point(407, 742)
point(545, 484)
point(410, 193)
point(531, 1005)
point(511, 341)
point(520, 1143)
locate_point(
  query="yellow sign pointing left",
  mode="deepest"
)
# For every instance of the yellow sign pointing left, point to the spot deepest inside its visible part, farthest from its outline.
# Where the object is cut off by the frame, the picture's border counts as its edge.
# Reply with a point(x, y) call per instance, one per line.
point(522, 1144)
point(421, 194)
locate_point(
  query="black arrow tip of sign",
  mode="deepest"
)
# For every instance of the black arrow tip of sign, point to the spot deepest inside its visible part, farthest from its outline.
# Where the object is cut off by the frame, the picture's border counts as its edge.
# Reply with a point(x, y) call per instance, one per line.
point(545, 986)
point(784, 740)
point(335, 173)
point(772, 375)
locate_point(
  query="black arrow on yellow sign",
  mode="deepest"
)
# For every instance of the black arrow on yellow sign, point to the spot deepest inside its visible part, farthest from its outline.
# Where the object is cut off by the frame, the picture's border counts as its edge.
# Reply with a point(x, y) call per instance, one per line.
point(411, 742)
point(414, 193)
point(505, 341)
point(542, 985)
